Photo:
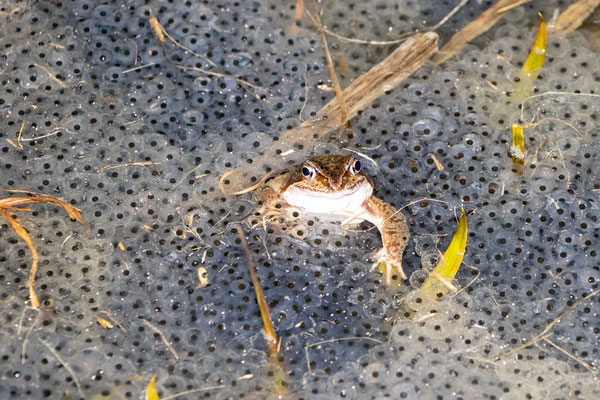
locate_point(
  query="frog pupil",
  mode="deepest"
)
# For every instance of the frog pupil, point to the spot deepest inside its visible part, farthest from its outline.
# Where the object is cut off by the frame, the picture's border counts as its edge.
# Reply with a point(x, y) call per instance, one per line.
point(305, 171)
point(357, 165)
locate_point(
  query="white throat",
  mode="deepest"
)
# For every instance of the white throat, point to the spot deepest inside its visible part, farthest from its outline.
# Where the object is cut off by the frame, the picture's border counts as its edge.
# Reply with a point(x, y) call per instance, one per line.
point(346, 202)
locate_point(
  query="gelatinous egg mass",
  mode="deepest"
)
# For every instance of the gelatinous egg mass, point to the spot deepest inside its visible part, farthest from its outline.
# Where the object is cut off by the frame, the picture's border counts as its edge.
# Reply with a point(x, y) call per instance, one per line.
point(135, 130)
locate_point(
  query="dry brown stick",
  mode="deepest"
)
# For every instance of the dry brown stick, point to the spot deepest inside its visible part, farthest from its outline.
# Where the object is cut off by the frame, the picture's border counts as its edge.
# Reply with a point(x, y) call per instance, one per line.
point(485, 21)
point(574, 16)
point(383, 77)
point(297, 16)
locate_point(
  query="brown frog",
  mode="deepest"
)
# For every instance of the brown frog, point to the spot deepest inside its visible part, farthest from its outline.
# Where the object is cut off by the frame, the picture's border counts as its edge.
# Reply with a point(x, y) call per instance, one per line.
point(333, 186)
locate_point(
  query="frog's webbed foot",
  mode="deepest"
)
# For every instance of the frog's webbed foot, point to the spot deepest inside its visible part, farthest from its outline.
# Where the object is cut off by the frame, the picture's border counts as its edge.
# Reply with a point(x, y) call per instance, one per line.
point(391, 263)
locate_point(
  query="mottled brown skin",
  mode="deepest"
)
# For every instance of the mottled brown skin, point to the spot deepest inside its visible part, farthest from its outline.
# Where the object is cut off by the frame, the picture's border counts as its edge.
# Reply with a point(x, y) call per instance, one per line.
point(335, 188)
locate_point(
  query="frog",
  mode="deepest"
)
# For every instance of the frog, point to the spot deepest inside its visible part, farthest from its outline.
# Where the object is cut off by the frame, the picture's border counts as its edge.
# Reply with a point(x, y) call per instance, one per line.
point(334, 186)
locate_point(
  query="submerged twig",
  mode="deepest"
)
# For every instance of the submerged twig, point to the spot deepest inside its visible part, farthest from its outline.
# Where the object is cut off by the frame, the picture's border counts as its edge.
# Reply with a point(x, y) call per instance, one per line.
point(334, 340)
point(192, 391)
point(402, 37)
point(51, 75)
point(26, 339)
point(147, 164)
point(339, 95)
point(138, 68)
point(161, 33)
point(66, 366)
point(587, 366)
point(549, 327)
point(218, 74)
point(162, 337)
point(272, 343)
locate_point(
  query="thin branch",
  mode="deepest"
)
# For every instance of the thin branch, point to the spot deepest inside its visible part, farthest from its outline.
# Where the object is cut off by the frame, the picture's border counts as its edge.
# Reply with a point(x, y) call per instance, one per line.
point(339, 95)
point(46, 70)
point(67, 367)
point(334, 340)
point(402, 37)
point(587, 366)
point(558, 94)
point(180, 394)
point(163, 338)
point(207, 72)
point(161, 32)
point(550, 325)
point(54, 132)
point(138, 68)
point(26, 339)
point(147, 164)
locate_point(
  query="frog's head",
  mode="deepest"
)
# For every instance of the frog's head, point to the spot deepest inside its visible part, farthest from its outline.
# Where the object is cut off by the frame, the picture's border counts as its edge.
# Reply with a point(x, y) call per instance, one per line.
point(325, 183)
point(330, 174)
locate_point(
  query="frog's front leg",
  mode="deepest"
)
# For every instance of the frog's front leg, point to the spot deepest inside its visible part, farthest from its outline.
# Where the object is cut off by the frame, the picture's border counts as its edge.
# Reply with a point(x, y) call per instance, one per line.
point(394, 234)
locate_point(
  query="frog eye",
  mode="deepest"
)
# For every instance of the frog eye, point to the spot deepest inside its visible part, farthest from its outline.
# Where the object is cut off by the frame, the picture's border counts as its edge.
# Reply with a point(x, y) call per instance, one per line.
point(308, 171)
point(355, 167)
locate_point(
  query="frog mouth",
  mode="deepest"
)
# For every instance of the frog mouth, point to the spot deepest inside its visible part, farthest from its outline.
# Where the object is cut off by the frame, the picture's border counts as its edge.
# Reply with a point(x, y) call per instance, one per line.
point(335, 195)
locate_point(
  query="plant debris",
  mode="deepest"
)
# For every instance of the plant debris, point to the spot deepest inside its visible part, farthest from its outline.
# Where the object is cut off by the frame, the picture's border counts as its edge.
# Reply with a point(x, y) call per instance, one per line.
point(485, 21)
point(11, 204)
point(440, 279)
point(574, 16)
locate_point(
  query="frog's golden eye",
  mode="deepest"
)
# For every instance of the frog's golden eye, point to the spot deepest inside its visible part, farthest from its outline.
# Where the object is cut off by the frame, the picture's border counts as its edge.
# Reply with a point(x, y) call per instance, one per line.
point(355, 167)
point(308, 172)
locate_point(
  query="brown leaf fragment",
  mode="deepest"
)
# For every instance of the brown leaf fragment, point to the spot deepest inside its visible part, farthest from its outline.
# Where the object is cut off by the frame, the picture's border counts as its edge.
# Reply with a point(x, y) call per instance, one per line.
point(11, 203)
point(104, 323)
point(22, 232)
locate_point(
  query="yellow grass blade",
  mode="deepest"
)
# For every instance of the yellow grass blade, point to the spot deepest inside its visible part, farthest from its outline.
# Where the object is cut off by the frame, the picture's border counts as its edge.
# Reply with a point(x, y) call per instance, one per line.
point(268, 329)
point(440, 279)
point(518, 148)
point(538, 53)
point(273, 345)
point(16, 225)
point(151, 393)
